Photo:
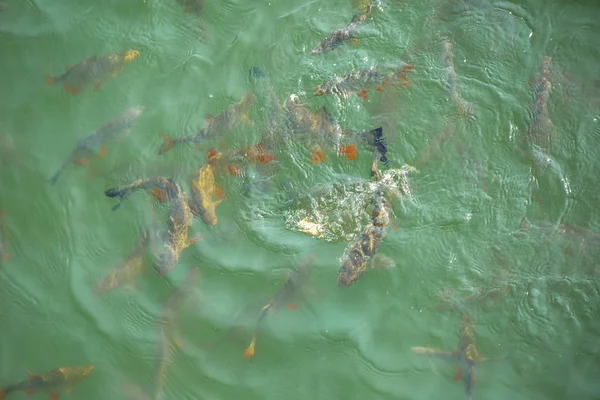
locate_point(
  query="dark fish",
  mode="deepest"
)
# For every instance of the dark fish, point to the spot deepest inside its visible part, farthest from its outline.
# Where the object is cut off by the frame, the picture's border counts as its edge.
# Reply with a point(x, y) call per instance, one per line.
point(466, 355)
point(361, 81)
point(214, 126)
point(180, 217)
point(463, 107)
point(295, 282)
point(341, 36)
point(93, 70)
point(52, 382)
point(96, 142)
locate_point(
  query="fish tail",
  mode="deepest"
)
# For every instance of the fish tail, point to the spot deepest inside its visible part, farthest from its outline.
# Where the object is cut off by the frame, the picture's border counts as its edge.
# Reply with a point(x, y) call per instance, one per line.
point(167, 145)
point(249, 353)
point(49, 80)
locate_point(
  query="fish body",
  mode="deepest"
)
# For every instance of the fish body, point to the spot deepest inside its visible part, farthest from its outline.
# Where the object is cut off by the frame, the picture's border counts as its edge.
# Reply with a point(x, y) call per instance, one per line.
point(205, 191)
point(463, 107)
point(358, 82)
point(180, 217)
point(95, 143)
point(170, 339)
point(52, 382)
point(340, 36)
point(539, 127)
point(298, 278)
point(215, 126)
point(93, 70)
point(126, 273)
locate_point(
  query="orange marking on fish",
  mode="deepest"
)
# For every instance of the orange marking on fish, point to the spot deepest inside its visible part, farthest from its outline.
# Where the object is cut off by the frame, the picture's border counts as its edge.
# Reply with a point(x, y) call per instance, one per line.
point(317, 157)
point(82, 162)
point(458, 373)
point(362, 94)
point(219, 192)
point(102, 151)
point(70, 89)
point(234, 170)
point(266, 157)
point(211, 153)
point(290, 306)
point(249, 353)
point(49, 80)
point(349, 152)
point(394, 226)
point(97, 86)
point(167, 144)
point(159, 195)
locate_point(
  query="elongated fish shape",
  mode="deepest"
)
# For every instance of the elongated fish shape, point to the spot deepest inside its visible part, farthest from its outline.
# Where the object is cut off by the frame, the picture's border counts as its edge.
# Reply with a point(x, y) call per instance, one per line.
point(168, 328)
point(539, 129)
point(206, 195)
point(298, 278)
point(361, 81)
point(463, 107)
point(95, 143)
point(340, 36)
point(93, 70)
point(214, 126)
point(52, 382)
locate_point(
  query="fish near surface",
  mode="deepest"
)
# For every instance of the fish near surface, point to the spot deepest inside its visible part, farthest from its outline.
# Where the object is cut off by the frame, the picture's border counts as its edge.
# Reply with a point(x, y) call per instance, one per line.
point(205, 191)
point(361, 81)
point(52, 382)
point(95, 143)
point(539, 129)
point(93, 70)
point(340, 36)
point(170, 338)
point(214, 127)
point(180, 218)
point(298, 279)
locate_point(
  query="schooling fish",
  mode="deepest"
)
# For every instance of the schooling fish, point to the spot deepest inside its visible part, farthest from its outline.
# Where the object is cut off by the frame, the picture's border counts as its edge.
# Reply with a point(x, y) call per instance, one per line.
point(52, 382)
point(126, 273)
point(466, 355)
point(4, 255)
point(295, 282)
point(180, 217)
point(96, 142)
point(170, 339)
point(93, 70)
point(361, 81)
point(463, 107)
point(214, 126)
point(205, 191)
point(342, 35)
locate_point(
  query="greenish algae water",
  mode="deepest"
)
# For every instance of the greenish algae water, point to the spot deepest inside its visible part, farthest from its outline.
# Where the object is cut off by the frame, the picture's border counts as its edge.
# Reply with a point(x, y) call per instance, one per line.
point(534, 293)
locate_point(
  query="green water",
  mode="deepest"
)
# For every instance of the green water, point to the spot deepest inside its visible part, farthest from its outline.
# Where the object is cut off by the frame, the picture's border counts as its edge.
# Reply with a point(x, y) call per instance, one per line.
point(457, 230)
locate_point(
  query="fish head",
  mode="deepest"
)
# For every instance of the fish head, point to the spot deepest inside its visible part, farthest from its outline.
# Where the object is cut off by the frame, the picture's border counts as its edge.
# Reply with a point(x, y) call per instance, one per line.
point(322, 89)
point(167, 261)
point(130, 55)
point(317, 50)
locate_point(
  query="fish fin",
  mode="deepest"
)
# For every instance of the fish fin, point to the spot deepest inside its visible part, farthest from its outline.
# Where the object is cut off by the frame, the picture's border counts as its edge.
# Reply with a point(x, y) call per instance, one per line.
point(290, 306)
point(49, 80)
point(102, 151)
point(70, 89)
point(381, 261)
point(193, 239)
point(249, 352)
point(234, 170)
point(211, 153)
point(354, 42)
point(317, 155)
point(363, 94)
point(6, 257)
point(160, 195)
point(167, 144)
point(82, 162)
point(30, 392)
point(384, 83)
point(97, 86)
point(349, 152)
point(53, 395)
point(219, 192)
point(458, 373)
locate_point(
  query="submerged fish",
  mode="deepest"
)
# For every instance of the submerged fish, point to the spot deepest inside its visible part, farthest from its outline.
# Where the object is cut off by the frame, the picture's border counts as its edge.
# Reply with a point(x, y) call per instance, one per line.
point(193, 6)
point(205, 191)
point(96, 142)
point(126, 273)
point(466, 355)
point(93, 70)
point(52, 382)
point(180, 217)
point(214, 126)
point(361, 81)
point(4, 255)
point(539, 129)
point(299, 277)
point(170, 338)
point(463, 107)
point(342, 35)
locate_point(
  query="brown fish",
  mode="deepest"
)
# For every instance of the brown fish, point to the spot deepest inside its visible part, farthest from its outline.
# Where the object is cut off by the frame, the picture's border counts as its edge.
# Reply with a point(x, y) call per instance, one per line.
point(359, 82)
point(344, 34)
point(52, 382)
point(93, 70)
point(214, 126)
point(299, 278)
point(466, 355)
point(180, 217)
